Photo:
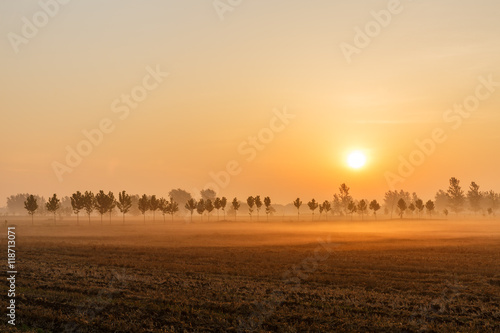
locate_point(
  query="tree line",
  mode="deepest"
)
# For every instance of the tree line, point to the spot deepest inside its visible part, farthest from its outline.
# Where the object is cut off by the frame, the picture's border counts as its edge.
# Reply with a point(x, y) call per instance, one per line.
point(343, 203)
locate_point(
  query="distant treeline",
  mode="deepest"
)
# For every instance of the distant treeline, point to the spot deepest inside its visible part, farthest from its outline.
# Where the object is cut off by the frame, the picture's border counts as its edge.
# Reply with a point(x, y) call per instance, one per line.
point(454, 200)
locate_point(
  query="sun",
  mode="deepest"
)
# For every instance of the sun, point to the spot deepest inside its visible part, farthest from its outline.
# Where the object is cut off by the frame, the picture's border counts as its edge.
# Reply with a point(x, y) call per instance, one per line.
point(356, 159)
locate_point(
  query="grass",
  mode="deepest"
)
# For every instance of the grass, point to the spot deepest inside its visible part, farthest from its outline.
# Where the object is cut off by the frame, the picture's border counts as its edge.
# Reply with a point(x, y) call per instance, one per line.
point(373, 276)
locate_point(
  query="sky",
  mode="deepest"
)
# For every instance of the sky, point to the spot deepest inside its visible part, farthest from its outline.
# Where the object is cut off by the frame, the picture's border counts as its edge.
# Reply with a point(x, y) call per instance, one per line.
point(248, 97)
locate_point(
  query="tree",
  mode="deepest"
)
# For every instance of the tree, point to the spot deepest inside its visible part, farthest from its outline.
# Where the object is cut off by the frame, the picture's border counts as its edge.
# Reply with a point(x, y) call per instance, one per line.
point(88, 203)
point(402, 207)
point(327, 206)
point(456, 195)
point(53, 205)
point(419, 204)
point(297, 203)
point(111, 204)
point(163, 207)
point(375, 206)
point(411, 208)
point(475, 197)
point(442, 200)
point(362, 208)
point(124, 203)
point(154, 205)
point(209, 208)
point(77, 203)
point(445, 212)
point(143, 205)
point(173, 207)
point(218, 206)
point(337, 205)
point(391, 199)
point(223, 204)
point(352, 208)
point(491, 201)
point(429, 205)
point(200, 208)
point(208, 194)
point(180, 196)
point(31, 206)
point(344, 197)
point(251, 203)
point(313, 205)
point(236, 205)
point(267, 203)
point(15, 203)
point(103, 203)
point(191, 205)
point(258, 204)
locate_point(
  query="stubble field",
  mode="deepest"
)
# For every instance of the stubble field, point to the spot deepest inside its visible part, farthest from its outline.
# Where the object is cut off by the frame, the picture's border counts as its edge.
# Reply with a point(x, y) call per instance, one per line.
point(341, 276)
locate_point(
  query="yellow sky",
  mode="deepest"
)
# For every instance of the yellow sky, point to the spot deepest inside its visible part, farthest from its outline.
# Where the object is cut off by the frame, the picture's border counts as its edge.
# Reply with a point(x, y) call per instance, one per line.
point(379, 92)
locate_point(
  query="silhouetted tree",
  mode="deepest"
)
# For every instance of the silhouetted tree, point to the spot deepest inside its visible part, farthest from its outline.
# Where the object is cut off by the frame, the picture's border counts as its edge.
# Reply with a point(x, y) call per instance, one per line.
point(344, 197)
point(191, 205)
point(337, 205)
point(456, 195)
point(475, 197)
point(327, 206)
point(445, 212)
point(419, 204)
point(411, 208)
point(143, 205)
point(53, 205)
point(209, 207)
point(374, 206)
point(103, 203)
point(31, 206)
point(154, 205)
point(77, 203)
point(267, 203)
point(352, 208)
point(250, 203)
point(442, 200)
point(88, 203)
point(391, 199)
point(180, 196)
point(236, 206)
point(258, 205)
point(297, 203)
point(208, 194)
point(124, 203)
point(313, 205)
point(111, 204)
point(362, 208)
point(402, 207)
point(200, 208)
point(163, 207)
point(173, 207)
point(491, 201)
point(15, 203)
point(429, 205)
point(217, 205)
point(223, 204)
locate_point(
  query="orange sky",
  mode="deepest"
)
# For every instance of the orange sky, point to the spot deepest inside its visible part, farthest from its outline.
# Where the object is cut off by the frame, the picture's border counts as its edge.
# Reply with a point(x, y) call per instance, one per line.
point(412, 67)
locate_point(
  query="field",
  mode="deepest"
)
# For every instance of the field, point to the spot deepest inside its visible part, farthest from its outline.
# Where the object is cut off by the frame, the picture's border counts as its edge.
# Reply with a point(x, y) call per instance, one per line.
point(372, 276)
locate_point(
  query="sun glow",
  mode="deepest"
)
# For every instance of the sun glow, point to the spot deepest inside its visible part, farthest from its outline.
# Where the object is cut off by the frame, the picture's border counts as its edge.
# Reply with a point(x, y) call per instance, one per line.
point(356, 159)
